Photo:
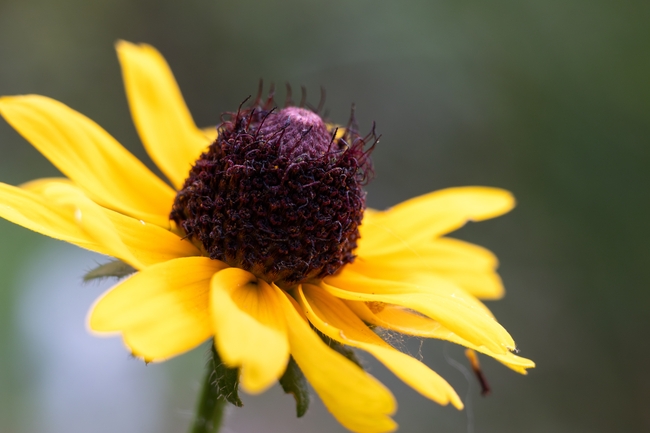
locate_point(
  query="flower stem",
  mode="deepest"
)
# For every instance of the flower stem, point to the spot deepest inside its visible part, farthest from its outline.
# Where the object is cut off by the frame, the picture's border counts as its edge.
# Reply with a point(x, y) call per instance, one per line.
point(210, 410)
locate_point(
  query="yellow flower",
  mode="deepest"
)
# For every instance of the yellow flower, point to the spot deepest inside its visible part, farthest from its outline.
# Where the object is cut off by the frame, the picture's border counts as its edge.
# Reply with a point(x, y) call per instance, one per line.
point(406, 277)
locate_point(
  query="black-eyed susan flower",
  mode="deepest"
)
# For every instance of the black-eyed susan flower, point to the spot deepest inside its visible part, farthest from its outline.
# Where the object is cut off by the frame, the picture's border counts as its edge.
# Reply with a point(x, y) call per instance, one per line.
point(262, 243)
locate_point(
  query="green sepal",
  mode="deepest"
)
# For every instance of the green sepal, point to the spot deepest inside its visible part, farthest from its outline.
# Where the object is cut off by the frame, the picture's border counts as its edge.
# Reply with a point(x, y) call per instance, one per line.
point(293, 382)
point(340, 348)
point(225, 380)
point(218, 386)
point(113, 269)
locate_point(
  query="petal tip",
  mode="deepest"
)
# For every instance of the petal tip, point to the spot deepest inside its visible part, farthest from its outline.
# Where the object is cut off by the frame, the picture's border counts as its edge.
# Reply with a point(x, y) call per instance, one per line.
point(7, 101)
point(124, 47)
point(122, 44)
point(457, 403)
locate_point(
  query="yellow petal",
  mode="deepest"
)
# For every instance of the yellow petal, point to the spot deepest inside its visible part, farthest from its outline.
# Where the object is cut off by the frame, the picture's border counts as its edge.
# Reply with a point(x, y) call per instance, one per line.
point(41, 184)
point(469, 266)
point(135, 241)
point(88, 155)
point(148, 242)
point(442, 301)
point(210, 133)
point(250, 330)
point(159, 112)
point(334, 319)
point(483, 285)
point(340, 130)
point(369, 212)
point(36, 213)
point(356, 399)
point(406, 322)
point(64, 212)
point(94, 222)
point(92, 219)
point(429, 216)
point(162, 311)
point(445, 253)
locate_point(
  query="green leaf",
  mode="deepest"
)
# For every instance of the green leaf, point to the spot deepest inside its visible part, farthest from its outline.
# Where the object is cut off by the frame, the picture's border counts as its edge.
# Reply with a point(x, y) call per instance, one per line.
point(113, 269)
point(293, 382)
point(225, 380)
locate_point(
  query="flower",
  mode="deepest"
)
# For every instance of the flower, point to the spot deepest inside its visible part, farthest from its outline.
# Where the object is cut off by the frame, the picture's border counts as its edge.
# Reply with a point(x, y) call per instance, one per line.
point(204, 271)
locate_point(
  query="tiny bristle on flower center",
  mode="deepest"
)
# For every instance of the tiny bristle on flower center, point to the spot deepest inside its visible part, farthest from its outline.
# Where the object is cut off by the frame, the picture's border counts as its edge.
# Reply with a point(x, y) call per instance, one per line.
point(279, 193)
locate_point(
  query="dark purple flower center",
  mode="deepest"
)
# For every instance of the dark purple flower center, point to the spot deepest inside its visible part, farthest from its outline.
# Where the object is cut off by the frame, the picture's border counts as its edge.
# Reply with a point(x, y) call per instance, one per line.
point(277, 194)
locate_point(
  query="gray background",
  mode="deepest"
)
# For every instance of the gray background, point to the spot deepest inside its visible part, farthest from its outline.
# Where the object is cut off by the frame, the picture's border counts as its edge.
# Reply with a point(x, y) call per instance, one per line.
point(549, 99)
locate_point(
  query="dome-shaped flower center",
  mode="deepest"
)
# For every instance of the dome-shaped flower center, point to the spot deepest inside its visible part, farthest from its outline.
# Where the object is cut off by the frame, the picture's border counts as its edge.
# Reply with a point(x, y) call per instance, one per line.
point(277, 194)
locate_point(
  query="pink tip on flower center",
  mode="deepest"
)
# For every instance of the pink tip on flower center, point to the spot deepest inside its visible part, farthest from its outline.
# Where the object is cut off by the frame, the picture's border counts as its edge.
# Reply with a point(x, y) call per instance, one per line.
point(302, 132)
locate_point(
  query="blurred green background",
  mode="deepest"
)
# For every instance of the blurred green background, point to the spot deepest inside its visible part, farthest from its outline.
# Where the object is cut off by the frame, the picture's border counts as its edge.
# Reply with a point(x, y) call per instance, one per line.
point(549, 99)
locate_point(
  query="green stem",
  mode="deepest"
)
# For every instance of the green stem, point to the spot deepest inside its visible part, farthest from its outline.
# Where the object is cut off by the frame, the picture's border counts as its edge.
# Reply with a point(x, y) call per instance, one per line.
point(210, 410)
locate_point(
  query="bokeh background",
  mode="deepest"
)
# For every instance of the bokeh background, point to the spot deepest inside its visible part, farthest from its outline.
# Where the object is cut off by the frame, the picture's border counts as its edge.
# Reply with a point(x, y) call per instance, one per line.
point(549, 99)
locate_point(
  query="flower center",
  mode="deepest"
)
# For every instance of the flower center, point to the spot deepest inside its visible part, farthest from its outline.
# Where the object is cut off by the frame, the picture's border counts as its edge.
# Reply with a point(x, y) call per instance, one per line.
point(277, 194)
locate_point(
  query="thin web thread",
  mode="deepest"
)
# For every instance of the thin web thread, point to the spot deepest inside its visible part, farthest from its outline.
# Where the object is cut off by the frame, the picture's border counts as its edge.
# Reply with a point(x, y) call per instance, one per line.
point(469, 410)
